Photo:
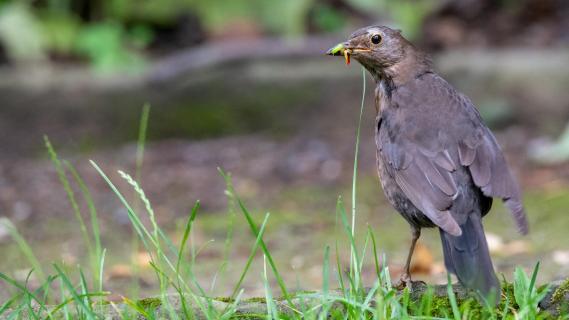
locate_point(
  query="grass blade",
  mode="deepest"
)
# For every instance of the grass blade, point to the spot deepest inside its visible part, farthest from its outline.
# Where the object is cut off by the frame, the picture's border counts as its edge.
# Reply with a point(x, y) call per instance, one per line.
point(186, 235)
point(70, 194)
point(91, 205)
point(76, 297)
point(340, 270)
point(24, 247)
point(374, 247)
point(533, 278)
point(251, 256)
point(452, 299)
point(355, 174)
point(29, 295)
point(61, 305)
point(255, 231)
point(141, 142)
point(326, 271)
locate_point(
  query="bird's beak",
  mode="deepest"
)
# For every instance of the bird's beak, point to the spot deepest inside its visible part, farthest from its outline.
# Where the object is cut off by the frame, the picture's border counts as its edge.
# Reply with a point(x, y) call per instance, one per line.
point(341, 49)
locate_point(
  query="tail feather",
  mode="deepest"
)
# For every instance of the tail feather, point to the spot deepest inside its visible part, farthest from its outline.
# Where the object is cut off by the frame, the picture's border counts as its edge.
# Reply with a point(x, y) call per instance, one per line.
point(467, 256)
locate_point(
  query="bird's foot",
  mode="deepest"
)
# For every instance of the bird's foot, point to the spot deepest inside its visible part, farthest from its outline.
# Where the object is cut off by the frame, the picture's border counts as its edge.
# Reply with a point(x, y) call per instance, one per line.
point(406, 282)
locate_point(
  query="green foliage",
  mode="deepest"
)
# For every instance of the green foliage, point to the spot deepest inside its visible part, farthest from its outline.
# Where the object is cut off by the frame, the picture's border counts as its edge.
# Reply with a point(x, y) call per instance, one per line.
point(328, 19)
point(409, 15)
point(160, 12)
point(110, 34)
point(60, 31)
point(20, 33)
point(149, 303)
point(105, 44)
point(31, 33)
point(526, 293)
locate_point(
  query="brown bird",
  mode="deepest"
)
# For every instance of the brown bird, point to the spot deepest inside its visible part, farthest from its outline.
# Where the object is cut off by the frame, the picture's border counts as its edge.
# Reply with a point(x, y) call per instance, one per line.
point(439, 165)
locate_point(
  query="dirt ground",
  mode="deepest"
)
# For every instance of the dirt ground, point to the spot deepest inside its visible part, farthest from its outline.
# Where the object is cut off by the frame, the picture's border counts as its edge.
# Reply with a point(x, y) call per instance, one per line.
point(297, 180)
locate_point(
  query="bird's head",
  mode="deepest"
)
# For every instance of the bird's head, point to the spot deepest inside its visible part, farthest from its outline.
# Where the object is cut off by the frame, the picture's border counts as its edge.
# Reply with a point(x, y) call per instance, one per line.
point(380, 50)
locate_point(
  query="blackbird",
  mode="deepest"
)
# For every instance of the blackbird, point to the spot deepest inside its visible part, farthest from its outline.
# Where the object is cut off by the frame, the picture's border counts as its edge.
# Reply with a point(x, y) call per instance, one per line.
point(438, 164)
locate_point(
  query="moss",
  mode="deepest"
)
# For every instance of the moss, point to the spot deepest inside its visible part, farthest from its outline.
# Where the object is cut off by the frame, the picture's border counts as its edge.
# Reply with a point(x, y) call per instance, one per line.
point(440, 306)
point(248, 300)
point(282, 298)
point(249, 316)
point(559, 295)
point(560, 292)
point(256, 299)
point(224, 299)
point(204, 113)
point(304, 292)
point(299, 293)
point(149, 303)
point(507, 292)
point(472, 309)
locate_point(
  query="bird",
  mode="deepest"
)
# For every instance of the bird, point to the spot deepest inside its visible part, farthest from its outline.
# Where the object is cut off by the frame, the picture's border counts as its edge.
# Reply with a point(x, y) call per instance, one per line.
point(439, 165)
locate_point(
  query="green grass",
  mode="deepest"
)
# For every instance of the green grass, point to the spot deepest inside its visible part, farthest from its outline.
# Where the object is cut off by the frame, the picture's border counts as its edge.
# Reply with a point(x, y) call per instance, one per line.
point(73, 292)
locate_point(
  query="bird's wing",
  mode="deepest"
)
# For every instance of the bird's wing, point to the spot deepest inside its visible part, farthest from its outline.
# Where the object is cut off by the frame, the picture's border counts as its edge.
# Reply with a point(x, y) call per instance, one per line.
point(440, 130)
point(482, 155)
point(424, 177)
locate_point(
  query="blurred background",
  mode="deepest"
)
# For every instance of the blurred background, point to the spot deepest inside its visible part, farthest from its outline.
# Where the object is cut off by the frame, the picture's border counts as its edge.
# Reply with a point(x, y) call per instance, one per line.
point(244, 85)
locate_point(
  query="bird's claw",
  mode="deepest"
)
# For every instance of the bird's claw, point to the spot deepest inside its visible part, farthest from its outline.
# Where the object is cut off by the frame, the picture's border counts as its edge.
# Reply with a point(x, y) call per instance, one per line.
point(404, 282)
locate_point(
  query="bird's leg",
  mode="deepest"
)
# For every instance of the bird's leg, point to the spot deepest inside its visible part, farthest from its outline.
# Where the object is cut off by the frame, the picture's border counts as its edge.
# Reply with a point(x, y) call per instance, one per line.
point(405, 280)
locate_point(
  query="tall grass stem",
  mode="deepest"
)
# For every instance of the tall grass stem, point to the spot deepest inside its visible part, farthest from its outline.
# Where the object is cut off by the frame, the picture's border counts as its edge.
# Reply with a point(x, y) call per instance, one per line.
point(355, 173)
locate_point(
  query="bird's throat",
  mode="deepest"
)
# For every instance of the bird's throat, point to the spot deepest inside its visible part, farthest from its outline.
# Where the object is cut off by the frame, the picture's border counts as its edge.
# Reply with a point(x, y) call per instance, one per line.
point(386, 86)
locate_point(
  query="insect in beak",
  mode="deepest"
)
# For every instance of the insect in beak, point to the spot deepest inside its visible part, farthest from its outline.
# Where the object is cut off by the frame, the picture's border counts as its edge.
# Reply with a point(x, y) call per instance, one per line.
point(347, 53)
point(341, 50)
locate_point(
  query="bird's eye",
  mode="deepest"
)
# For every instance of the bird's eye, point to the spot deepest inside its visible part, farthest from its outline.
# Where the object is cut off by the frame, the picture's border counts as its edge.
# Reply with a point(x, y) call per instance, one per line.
point(376, 39)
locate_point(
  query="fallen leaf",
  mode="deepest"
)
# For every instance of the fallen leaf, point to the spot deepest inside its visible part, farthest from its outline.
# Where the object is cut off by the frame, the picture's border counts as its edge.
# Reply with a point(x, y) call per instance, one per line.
point(120, 271)
point(422, 261)
point(143, 259)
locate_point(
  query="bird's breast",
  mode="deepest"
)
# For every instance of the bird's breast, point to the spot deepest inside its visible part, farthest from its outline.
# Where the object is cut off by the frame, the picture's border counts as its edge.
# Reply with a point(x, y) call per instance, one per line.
point(381, 96)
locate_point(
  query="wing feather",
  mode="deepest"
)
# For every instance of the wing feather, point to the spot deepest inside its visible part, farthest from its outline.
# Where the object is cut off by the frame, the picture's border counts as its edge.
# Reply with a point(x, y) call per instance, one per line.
point(428, 186)
point(490, 172)
point(426, 199)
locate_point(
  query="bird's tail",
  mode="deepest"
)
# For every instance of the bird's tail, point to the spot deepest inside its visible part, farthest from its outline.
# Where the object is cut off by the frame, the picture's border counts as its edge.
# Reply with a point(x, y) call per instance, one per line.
point(468, 258)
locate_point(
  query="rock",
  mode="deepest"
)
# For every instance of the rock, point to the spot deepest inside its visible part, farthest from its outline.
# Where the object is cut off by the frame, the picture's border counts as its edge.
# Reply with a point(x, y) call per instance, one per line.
point(506, 249)
point(556, 302)
point(516, 247)
point(544, 151)
point(561, 257)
